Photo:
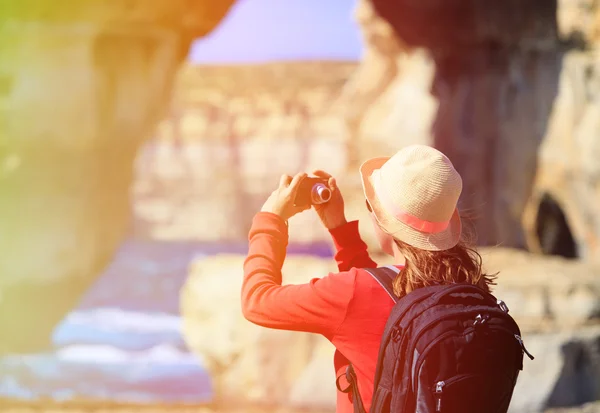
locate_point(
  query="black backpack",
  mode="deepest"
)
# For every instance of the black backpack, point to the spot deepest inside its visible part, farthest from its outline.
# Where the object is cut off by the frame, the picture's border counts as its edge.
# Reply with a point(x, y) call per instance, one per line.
point(445, 348)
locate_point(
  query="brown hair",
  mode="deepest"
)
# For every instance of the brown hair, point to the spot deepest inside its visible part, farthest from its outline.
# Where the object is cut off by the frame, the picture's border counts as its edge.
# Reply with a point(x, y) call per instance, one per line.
point(461, 263)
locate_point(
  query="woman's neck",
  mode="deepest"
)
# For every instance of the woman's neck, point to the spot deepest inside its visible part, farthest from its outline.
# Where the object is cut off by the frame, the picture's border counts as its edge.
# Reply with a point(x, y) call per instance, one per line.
point(398, 256)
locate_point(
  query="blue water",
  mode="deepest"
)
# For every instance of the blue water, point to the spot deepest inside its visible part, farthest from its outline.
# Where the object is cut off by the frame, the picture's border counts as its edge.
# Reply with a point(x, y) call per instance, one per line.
point(123, 342)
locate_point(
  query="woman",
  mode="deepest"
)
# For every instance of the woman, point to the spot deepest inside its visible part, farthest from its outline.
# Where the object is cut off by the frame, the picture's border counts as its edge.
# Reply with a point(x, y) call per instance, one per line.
point(412, 198)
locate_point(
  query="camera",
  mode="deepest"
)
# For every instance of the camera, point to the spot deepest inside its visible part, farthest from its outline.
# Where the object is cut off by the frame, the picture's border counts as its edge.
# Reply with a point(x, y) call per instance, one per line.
point(312, 191)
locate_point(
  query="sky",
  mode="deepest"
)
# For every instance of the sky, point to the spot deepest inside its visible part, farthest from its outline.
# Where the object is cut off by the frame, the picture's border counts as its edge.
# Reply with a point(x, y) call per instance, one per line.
point(258, 31)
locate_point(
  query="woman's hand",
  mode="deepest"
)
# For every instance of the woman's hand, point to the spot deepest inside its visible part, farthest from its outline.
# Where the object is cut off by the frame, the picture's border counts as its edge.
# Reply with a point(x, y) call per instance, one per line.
point(331, 213)
point(281, 201)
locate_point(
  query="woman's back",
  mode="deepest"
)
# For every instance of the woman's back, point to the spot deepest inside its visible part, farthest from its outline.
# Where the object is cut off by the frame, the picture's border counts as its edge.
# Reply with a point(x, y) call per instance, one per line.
point(349, 308)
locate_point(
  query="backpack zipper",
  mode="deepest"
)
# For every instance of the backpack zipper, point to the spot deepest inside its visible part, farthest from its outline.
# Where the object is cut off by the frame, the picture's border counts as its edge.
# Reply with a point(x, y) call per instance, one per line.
point(486, 308)
point(439, 388)
point(465, 314)
point(421, 358)
point(520, 340)
point(441, 337)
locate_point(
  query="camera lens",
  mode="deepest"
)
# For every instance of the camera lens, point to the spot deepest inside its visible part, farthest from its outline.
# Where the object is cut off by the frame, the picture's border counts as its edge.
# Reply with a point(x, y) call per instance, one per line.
point(320, 194)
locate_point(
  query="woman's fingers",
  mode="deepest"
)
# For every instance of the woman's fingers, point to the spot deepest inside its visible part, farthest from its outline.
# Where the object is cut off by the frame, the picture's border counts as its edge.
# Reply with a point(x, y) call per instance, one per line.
point(284, 181)
point(332, 184)
point(330, 179)
point(321, 174)
point(295, 183)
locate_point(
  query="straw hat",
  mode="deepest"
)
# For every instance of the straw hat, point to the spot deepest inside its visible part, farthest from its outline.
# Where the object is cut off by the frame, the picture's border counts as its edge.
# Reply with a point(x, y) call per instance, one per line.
point(413, 196)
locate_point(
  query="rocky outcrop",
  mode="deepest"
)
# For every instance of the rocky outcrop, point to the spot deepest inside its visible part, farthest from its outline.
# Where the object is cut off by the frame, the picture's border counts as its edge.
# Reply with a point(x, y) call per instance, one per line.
point(548, 293)
point(593, 407)
point(529, 104)
point(565, 373)
point(250, 364)
point(579, 22)
point(81, 87)
point(561, 216)
point(492, 86)
point(483, 76)
point(231, 134)
point(554, 300)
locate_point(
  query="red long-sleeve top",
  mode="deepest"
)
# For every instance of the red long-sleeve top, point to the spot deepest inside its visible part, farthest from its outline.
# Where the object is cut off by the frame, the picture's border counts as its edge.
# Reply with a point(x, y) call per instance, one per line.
point(349, 308)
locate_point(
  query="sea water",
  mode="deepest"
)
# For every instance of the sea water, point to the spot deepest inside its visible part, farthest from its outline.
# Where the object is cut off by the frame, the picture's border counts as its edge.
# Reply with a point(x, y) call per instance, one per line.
point(123, 342)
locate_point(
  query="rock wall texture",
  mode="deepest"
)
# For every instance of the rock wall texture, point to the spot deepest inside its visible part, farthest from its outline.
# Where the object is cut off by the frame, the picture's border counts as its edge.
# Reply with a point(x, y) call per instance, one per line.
point(231, 133)
point(249, 364)
point(81, 87)
point(500, 88)
point(566, 187)
point(486, 85)
point(519, 119)
point(553, 299)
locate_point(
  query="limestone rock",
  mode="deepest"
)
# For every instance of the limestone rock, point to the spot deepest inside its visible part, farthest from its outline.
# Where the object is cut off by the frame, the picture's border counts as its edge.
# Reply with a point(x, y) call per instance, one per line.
point(563, 206)
point(196, 18)
point(471, 104)
point(443, 25)
point(81, 87)
point(532, 106)
point(315, 387)
point(566, 371)
point(579, 22)
point(488, 107)
point(545, 293)
point(593, 407)
point(526, 102)
point(232, 132)
point(249, 363)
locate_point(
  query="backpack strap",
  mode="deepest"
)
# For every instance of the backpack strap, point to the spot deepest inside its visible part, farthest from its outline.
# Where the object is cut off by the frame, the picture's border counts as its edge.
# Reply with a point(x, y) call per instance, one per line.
point(350, 375)
point(385, 276)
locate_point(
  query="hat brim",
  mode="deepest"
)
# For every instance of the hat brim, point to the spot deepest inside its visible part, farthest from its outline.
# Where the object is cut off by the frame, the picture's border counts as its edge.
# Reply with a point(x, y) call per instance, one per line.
point(427, 241)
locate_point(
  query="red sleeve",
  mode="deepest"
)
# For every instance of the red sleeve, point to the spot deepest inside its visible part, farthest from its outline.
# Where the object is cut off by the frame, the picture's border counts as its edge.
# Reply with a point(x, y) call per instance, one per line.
point(351, 250)
point(318, 306)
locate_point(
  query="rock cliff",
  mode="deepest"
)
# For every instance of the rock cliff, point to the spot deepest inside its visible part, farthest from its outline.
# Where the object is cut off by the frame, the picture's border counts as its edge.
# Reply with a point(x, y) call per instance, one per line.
point(518, 118)
point(231, 133)
point(81, 87)
point(502, 88)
